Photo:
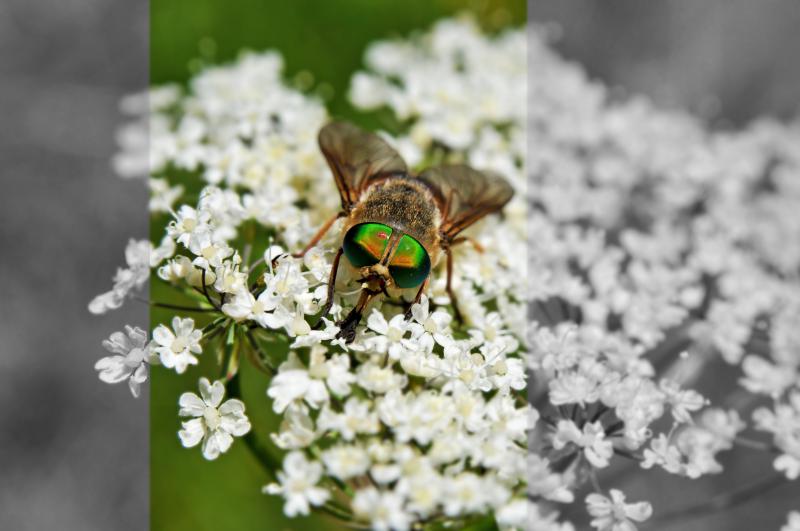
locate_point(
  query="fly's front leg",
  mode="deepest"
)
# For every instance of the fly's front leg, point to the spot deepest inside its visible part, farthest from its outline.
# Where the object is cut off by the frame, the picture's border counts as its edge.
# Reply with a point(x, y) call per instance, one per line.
point(347, 326)
point(461, 239)
point(416, 299)
point(320, 233)
point(331, 286)
point(453, 300)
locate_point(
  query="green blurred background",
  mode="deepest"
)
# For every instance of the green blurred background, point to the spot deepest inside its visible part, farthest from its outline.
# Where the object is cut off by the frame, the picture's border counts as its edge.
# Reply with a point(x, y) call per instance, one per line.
point(326, 40)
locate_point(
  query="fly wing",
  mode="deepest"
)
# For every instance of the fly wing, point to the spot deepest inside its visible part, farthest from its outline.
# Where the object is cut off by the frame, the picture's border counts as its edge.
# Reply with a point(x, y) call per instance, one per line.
point(465, 195)
point(357, 159)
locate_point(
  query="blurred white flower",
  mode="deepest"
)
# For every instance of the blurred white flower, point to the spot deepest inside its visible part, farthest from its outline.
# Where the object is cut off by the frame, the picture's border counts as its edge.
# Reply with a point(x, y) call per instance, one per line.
point(345, 462)
point(792, 522)
point(761, 376)
point(137, 257)
point(681, 401)
point(591, 439)
point(297, 429)
point(298, 484)
point(784, 423)
point(613, 514)
point(162, 195)
point(383, 510)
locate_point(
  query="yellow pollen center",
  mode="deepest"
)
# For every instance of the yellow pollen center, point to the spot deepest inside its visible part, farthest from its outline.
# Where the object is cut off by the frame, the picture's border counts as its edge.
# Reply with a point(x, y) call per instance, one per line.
point(212, 417)
point(179, 344)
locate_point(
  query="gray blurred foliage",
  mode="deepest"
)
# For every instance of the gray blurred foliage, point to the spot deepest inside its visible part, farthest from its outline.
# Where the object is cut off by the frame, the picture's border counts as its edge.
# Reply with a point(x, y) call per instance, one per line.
point(729, 60)
point(73, 452)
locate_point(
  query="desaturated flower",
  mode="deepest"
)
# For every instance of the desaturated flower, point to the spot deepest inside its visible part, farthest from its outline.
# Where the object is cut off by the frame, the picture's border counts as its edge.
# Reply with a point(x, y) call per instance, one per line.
point(784, 423)
point(664, 454)
point(681, 401)
point(573, 388)
point(792, 522)
point(137, 257)
point(613, 514)
point(761, 376)
point(591, 439)
point(129, 360)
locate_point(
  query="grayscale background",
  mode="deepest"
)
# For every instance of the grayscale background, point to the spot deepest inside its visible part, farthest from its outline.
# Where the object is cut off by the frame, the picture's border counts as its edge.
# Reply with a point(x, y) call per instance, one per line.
point(73, 451)
point(729, 61)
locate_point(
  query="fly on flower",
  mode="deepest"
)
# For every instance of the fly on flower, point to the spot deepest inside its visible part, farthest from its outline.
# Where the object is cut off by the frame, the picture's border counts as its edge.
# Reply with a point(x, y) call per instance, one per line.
point(398, 225)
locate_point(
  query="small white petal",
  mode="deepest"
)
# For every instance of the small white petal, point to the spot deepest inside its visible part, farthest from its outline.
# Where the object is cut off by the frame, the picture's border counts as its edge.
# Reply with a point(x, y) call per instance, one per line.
point(192, 432)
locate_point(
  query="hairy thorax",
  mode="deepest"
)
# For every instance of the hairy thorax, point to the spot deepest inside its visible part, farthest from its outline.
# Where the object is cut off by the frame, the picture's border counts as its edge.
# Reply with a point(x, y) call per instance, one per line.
point(405, 204)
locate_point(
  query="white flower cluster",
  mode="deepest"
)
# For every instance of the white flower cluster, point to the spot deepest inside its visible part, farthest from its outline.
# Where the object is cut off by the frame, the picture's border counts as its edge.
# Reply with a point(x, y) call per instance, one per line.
point(417, 419)
point(654, 247)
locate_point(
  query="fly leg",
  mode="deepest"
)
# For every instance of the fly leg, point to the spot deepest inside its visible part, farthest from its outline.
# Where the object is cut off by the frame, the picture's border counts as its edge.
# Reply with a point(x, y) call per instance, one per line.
point(331, 286)
point(416, 299)
point(461, 239)
point(318, 236)
point(347, 326)
point(453, 300)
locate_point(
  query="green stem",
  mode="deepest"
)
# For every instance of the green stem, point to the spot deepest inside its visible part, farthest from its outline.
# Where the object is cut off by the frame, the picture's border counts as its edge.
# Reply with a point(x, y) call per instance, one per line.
point(205, 291)
point(173, 306)
point(257, 449)
point(271, 464)
point(259, 357)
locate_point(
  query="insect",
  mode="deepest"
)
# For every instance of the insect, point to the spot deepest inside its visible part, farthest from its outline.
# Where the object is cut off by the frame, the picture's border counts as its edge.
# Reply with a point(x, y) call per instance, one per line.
point(398, 225)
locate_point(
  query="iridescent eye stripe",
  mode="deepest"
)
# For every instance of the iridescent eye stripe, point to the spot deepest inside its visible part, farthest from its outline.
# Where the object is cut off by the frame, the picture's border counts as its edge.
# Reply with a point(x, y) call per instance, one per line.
point(410, 264)
point(409, 253)
point(365, 244)
point(373, 237)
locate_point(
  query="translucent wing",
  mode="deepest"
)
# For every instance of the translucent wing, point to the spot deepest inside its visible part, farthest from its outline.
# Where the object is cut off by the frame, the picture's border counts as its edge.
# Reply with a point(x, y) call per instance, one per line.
point(357, 159)
point(465, 195)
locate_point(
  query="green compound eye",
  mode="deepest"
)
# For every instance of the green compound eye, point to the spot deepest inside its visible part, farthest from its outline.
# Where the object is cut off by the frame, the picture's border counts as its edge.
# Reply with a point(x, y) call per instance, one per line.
point(365, 243)
point(410, 264)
